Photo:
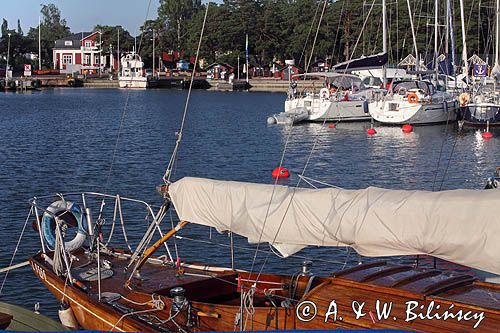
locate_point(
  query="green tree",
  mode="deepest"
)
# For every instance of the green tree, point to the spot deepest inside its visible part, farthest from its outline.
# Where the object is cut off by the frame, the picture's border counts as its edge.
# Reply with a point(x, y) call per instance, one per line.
point(173, 16)
point(5, 27)
point(52, 28)
point(19, 29)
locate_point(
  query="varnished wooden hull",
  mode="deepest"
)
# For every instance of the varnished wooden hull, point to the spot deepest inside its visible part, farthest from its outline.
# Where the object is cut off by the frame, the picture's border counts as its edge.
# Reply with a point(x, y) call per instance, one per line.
point(215, 300)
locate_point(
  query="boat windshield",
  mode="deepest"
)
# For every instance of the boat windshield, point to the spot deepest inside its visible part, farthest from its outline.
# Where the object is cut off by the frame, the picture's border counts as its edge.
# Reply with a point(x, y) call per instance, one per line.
point(404, 86)
point(345, 82)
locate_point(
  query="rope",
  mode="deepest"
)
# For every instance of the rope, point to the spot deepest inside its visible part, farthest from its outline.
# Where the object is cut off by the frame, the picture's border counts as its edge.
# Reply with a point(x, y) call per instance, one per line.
point(284, 150)
point(17, 247)
point(57, 265)
point(442, 146)
point(305, 166)
point(309, 33)
point(173, 158)
point(338, 29)
point(122, 118)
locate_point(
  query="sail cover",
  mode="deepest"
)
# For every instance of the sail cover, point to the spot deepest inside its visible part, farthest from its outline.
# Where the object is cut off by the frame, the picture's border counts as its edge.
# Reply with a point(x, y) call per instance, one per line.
point(462, 226)
point(373, 61)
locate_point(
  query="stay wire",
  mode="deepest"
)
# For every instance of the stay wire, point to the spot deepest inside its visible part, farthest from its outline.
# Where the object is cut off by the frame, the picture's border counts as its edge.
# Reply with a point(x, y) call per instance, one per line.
point(309, 33)
point(282, 158)
point(307, 161)
point(122, 117)
point(173, 158)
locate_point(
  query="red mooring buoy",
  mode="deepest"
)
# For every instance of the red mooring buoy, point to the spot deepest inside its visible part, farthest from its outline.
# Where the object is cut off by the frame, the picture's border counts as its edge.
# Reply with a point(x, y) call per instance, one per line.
point(487, 135)
point(371, 131)
point(281, 172)
point(407, 128)
point(331, 126)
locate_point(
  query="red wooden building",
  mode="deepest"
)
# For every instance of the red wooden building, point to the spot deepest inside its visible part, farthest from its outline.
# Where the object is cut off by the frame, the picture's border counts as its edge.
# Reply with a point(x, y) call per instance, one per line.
point(81, 52)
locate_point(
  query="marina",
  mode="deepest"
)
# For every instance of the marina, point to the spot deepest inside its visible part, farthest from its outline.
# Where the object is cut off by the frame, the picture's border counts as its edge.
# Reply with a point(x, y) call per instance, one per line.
point(265, 189)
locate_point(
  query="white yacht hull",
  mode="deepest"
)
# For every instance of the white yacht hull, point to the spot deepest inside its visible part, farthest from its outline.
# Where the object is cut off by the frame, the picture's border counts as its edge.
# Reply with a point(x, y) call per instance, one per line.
point(320, 109)
point(133, 82)
point(403, 112)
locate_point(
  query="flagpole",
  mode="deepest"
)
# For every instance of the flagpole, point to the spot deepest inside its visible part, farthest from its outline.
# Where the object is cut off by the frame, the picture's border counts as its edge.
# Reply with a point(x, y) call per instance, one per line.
point(246, 54)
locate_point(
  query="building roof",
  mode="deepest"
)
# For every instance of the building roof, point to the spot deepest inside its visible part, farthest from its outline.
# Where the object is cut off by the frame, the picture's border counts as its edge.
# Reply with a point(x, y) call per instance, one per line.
point(75, 40)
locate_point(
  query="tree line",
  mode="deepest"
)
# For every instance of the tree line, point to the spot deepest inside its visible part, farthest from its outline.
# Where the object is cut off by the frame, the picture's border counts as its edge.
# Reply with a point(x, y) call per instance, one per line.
point(277, 30)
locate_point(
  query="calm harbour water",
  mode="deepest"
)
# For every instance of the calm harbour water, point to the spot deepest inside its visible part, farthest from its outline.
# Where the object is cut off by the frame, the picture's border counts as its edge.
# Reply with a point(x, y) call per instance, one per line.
point(63, 140)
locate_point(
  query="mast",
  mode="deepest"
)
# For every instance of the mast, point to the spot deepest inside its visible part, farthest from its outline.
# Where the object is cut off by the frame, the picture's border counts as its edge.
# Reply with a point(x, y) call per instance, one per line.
point(39, 45)
point(447, 41)
point(464, 43)
point(384, 40)
point(436, 62)
point(154, 69)
point(413, 36)
point(497, 23)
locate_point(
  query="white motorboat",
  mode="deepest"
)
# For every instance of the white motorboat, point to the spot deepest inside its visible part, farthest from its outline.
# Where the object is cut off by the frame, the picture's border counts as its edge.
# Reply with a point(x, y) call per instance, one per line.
point(339, 100)
point(132, 74)
point(414, 102)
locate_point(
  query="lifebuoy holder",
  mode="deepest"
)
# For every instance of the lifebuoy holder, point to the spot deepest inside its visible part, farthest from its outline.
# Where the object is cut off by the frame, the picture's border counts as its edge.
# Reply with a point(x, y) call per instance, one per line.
point(412, 98)
point(69, 213)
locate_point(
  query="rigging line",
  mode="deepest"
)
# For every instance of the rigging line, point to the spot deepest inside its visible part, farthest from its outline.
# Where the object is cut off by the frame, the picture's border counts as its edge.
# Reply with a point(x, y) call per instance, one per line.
point(449, 161)
point(309, 33)
point(309, 157)
point(441, 150)
point(283, 155)
point(122, 118)
point(238, 247)
point(337, 32)
point(173, 158)
point(316, 36)
point(17, 247)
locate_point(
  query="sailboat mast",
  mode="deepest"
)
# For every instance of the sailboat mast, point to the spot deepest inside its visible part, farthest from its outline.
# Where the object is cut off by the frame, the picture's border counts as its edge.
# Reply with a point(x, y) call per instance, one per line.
point(447, 41)
point(497, 32)
point(413, 36)
point(436, 62)
point(384, 40)
point(464, 43)
point(40, 44)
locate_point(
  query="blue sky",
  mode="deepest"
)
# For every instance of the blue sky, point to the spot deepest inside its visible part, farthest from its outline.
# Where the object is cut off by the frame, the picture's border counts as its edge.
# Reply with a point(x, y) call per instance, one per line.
point(81, 15)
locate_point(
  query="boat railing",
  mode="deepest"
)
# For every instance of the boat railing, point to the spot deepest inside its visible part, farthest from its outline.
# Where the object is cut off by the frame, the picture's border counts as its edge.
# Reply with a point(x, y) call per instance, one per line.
point(96, 215)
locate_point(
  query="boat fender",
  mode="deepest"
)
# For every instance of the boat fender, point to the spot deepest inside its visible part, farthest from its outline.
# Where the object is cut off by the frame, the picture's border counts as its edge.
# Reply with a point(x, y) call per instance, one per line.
point(324, 93)
point(67, 317)
point(464, 99)
point(69, 212)
point(11, 84)
point(412, 98)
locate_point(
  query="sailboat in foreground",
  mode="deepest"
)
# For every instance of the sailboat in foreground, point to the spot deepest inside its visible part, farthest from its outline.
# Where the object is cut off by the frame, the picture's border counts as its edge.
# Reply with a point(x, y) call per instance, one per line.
point(119, 290)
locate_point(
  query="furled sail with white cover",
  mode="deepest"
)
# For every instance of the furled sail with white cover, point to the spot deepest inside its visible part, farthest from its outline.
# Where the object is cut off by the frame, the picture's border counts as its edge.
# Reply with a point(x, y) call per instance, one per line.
point(462, 226)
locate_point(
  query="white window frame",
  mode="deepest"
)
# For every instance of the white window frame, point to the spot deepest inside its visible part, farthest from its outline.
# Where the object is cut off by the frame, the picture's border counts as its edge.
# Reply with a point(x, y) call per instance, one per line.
point(88, 43)
point(68, 43)
point(67, 59)
point(87, 59)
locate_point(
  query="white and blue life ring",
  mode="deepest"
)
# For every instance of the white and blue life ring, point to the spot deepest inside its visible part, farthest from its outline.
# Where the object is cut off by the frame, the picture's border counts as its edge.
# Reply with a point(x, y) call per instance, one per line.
point(65, 210)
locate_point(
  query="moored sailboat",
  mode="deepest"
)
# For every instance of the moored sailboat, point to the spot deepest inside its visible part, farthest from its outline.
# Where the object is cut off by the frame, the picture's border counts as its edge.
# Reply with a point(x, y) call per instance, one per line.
point(110, 289)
